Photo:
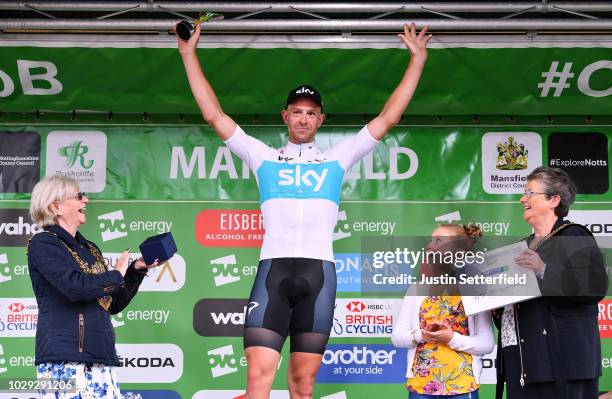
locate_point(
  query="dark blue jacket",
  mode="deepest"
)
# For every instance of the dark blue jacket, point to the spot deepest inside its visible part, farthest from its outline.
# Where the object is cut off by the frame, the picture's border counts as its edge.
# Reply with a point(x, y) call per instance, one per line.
point(72, 326)
point(559, 334)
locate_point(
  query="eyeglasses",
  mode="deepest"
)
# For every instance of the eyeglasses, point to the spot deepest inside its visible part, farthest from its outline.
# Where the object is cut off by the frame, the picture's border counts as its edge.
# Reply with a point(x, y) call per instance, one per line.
point(79, 196)
point(529, 194)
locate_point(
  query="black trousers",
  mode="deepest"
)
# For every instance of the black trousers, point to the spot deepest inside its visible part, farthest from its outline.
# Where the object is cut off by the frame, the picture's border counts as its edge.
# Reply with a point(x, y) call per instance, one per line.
point(577, 389)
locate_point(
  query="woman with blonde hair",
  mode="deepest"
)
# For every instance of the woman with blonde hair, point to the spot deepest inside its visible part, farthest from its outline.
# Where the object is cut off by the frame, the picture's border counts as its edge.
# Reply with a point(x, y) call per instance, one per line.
point(76, 293)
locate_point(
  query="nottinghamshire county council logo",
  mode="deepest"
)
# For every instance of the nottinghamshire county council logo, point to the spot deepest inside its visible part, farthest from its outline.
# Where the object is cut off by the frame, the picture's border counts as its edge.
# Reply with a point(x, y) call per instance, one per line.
point(76, 152)
point(511, 155)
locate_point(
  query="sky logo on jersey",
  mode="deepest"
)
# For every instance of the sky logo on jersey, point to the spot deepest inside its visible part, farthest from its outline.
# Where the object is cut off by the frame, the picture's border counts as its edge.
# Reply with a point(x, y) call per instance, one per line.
point(348, 272)
point(369, 364)
point(300, 181)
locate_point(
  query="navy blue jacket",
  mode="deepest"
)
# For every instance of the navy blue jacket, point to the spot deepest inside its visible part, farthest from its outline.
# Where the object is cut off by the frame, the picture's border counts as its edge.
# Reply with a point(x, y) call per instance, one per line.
point(72, 326)
point(559, 334)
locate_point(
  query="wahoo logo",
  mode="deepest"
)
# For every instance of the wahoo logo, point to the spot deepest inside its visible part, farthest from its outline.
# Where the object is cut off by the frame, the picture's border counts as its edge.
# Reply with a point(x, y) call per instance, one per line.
point(296, 177)
point(6, 270)
point(225, 270)
point(2, 360)
point(236, 318)
point(112, 225)
point(222, 361)
point(16, 227)
point(300, 181)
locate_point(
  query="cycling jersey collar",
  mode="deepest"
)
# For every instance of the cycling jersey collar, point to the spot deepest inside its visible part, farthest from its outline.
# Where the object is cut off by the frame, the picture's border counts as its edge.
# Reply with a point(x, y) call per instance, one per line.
point(300, 148)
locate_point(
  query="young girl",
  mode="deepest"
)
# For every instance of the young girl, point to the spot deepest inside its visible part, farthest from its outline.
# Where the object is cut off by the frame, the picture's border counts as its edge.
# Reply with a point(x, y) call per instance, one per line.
point(444, 345)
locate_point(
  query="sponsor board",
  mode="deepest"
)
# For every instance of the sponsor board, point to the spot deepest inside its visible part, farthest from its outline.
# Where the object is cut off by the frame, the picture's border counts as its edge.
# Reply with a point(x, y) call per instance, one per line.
point(360, 317)
point(348, 272)
point(487, 227)
point(584, 156)
point(224, 361)
point(149, 363)
point(9, 270)
point(605, 318)
point(345, 226)
point(226, 270)
point(219, 317)
point(243, 228)
point(169, 276)
point(153, 316)
point(18, 317)
point(599, 222)
point(9, 360)
point(16, 227)
point(113, 225)
point(507, 159)
point(361, 363)
point(19, 161)
point(80, 155)
point(489, 372)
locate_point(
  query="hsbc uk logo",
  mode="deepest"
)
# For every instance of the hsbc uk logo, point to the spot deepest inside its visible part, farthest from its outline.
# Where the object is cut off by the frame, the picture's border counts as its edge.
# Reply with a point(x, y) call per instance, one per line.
point(113, 226)
point(223, 361)
point(355, 306)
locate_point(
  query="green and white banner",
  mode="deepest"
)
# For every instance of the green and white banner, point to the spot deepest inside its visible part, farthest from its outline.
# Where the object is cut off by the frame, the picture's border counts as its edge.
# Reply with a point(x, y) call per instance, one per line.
point(181, 336)
point(551, 80)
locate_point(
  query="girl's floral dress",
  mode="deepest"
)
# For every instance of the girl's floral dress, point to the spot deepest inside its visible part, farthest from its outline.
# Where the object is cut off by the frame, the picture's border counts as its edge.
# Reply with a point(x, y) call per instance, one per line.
point(438, 369)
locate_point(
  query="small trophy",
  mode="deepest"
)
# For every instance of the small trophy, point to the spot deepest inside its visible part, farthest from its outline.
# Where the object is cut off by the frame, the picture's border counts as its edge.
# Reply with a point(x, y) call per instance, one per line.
point(185, 29)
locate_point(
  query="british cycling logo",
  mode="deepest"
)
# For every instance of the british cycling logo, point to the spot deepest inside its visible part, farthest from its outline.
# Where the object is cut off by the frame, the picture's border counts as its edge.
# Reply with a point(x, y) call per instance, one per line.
point(18, 317)
point(113, 226)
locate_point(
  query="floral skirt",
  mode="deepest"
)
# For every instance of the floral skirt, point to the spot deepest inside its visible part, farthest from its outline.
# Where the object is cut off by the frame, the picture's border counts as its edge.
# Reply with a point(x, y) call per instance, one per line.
point(93, 381)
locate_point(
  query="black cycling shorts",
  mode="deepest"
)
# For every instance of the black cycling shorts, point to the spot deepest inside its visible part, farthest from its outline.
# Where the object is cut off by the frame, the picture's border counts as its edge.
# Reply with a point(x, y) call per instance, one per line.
point(292, 297)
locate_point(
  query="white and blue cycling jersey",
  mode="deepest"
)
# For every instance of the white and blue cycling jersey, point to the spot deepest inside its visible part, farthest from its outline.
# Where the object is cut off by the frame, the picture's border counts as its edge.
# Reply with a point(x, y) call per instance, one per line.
point(299, 190)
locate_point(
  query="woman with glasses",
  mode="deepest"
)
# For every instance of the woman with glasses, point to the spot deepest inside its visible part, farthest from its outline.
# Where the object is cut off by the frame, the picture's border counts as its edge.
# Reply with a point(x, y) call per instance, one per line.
point(76, 293)
point(549, 346)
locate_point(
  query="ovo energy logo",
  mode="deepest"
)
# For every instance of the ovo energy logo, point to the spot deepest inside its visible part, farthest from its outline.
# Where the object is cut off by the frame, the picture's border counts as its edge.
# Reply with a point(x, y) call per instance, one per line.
point(222, 361)
point(225, 270)
point(76, 151)
point(112, 225)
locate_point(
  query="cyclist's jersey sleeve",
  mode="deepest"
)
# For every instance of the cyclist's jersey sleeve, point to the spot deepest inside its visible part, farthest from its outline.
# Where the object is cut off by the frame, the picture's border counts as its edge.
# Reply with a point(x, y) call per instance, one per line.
point(299, 189)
